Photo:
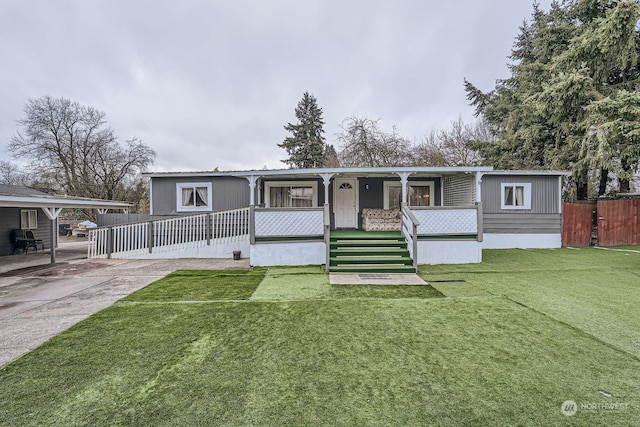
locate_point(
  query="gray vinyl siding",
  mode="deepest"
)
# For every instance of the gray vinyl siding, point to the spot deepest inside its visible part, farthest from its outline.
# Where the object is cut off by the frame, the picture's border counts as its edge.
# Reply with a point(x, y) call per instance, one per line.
point(371, 197)
point(544, 193)
point(227, 193)
point(10, 219)
point(230, 193)
point(544, 217)
point(522, 223)
point(458, 190)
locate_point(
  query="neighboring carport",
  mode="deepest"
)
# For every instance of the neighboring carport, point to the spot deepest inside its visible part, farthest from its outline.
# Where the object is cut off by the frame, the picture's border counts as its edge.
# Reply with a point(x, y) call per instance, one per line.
point(26, 199)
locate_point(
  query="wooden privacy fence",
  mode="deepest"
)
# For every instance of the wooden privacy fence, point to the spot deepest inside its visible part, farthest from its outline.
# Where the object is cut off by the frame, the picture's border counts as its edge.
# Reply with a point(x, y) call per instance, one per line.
point(577, 220)
point(617, 223)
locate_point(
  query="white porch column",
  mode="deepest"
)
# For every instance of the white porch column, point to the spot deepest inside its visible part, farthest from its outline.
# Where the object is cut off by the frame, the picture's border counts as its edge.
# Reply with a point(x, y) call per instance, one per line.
point(52, 214)
point(252, 189)
point(478, 186)
point(252, 207)
point(404, 177)
point(326, 178)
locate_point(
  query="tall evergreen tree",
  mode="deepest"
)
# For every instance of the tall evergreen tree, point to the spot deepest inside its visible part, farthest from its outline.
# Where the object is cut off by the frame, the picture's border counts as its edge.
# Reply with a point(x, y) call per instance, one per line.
point(566, 60)
point(306, 146)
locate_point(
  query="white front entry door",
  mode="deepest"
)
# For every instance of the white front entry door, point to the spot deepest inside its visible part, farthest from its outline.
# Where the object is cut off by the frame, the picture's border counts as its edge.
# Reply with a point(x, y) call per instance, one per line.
point(345, 207)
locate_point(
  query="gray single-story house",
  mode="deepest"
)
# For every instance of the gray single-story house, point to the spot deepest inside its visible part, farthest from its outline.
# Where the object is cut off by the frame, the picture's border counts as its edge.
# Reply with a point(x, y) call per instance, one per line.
point(26, 209)
point(337, 216)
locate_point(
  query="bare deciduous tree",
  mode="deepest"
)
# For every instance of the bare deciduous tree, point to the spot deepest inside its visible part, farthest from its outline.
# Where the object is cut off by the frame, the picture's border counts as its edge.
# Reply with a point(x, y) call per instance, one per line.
point(11, 174)
point(453, 146)
point(72, 147)
point(363, 144)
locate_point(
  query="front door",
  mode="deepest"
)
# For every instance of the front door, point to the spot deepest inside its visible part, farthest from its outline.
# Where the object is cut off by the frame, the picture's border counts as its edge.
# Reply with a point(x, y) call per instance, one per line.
point(345, 207)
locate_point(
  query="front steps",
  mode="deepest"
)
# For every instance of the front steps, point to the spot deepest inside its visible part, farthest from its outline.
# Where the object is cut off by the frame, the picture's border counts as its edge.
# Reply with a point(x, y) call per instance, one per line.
point(369, 252)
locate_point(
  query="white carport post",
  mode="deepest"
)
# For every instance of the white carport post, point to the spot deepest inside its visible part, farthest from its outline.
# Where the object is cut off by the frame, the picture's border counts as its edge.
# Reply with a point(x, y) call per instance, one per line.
point(52, 214)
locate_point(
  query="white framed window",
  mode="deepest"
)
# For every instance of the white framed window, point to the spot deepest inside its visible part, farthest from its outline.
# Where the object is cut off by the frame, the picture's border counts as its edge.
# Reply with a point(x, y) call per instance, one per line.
point(193, 196)
point(28, 219)
point(515, 196)
point(419, 193)
point(291, 194)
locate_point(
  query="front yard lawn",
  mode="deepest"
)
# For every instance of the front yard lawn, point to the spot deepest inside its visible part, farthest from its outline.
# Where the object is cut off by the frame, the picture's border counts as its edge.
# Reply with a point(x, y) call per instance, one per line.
point(500, 350)
point(593, 289)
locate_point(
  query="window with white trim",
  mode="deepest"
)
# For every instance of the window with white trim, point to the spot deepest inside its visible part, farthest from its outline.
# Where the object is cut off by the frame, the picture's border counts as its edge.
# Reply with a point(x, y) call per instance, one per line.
point(419, 193)
point(194, 197)
point(291, 194)
point(28, 219)
point(515, 196)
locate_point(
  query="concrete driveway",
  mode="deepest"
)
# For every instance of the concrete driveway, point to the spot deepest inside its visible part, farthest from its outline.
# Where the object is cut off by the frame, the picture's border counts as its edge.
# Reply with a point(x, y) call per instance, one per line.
point(38, 301)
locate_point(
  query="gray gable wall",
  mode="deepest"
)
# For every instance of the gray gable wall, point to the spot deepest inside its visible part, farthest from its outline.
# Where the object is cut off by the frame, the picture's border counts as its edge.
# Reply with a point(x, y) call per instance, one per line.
point(544, 217)
point(227, 193)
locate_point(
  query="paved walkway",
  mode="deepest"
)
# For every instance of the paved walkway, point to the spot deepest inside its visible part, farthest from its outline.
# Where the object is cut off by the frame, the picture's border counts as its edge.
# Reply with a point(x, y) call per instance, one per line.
point(38, 300)
point(375, 279)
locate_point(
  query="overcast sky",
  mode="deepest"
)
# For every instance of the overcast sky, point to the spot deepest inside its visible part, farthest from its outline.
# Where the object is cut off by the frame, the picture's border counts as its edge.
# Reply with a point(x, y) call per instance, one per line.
point(212, 83)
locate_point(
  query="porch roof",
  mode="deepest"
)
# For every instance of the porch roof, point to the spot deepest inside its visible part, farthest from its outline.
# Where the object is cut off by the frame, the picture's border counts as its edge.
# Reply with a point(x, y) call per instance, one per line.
point(300, 173)
point(528, 172)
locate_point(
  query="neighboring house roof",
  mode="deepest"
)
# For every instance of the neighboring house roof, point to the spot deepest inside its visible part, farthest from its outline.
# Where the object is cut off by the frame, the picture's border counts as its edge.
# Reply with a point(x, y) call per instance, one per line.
point(18, 196)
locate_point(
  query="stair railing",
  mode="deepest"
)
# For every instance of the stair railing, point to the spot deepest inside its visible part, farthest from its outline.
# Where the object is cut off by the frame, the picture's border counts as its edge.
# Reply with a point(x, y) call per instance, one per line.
point(327, 236)
point(410, 232)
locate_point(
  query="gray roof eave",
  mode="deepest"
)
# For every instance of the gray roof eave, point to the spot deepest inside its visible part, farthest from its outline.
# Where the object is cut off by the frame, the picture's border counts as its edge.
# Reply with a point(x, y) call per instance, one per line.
point(322, 171)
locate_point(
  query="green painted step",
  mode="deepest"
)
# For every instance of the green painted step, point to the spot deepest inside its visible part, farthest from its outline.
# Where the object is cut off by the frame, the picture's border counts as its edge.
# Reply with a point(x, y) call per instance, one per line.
point(367, 243)
point(366, 235)
point(366, 251)
point(362, 252)
point(370, 260)
point(372, 269)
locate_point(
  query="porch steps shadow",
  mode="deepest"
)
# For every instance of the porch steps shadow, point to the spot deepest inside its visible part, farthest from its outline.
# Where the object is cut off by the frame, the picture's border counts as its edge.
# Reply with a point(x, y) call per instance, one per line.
point(369, 252)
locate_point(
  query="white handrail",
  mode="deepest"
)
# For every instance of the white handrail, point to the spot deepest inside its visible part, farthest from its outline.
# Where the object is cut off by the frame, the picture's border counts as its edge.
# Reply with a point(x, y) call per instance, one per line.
point(410, 232)
point(171, 234)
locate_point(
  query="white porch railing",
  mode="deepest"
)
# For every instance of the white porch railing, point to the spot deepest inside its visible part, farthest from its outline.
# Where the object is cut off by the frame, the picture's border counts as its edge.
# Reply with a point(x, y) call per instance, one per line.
point(292, 222)
point(169, 235)
point(443, 221)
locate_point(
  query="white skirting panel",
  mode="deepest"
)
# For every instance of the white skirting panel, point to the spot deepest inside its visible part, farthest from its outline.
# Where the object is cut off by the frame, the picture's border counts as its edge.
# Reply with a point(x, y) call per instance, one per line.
point(220, 251)
point(522, 241)
point(287, 253)
point(449, 251)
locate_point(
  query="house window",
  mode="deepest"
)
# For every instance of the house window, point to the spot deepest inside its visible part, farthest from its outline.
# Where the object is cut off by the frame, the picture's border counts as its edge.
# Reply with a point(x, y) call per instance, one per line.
point(515, 196)
point(193, 197)
point(418, 194)
point(291, 194)
point(28, 219)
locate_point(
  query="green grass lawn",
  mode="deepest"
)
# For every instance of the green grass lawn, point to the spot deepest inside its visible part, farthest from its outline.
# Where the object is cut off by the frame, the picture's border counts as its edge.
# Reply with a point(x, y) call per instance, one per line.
point(506, 347)
point(594, 290)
